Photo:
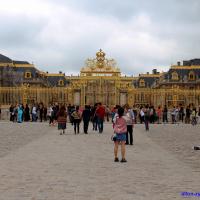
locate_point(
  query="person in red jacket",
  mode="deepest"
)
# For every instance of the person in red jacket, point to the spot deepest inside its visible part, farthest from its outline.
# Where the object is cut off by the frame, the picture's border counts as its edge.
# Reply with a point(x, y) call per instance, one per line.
point(100, 113)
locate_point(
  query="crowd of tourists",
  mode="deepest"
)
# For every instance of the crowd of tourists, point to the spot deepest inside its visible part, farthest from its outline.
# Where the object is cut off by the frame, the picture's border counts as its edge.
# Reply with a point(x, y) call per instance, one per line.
point(143, 114)
point(20, 113)
point(39, 112)
point(176, 114)
point(122, 118)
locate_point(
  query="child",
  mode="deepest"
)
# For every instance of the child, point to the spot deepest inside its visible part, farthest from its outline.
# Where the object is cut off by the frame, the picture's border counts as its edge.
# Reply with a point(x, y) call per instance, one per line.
point(120, 129)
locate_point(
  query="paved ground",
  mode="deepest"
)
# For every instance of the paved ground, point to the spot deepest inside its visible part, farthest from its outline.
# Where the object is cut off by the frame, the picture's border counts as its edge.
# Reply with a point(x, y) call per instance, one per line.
point(36, 163)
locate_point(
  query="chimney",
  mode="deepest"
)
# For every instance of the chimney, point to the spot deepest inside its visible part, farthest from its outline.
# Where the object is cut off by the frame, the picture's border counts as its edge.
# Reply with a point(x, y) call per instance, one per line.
point(154, 71)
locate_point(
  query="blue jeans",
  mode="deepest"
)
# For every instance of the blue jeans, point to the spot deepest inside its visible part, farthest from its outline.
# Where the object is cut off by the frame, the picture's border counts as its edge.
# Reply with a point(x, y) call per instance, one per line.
point(34, 117)
point(100, 124)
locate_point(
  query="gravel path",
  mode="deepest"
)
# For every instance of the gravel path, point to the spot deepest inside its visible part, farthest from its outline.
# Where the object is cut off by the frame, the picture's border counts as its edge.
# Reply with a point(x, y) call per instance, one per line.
point(81, 167)
point(177, 139)
point(16, 135)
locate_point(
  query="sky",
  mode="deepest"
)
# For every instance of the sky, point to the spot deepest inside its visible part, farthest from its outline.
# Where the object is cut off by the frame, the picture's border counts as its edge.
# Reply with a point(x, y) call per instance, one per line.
point(59, 35)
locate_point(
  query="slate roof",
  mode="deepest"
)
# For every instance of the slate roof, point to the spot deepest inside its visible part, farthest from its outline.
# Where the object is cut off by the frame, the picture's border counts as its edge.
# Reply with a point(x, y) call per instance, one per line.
point(149, 81)
point(4, 59)
point(33, 70)
point(20, 62)
point(53, 80)
point(195, 61)
point(182, 73)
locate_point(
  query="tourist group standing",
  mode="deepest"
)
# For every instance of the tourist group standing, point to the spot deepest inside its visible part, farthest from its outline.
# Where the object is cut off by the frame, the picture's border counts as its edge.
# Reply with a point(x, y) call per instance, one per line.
point(175, 114)
point(19, 113)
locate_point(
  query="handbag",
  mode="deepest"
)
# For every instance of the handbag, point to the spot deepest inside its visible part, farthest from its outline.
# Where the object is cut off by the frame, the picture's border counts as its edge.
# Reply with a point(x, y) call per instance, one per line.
point(114, 137)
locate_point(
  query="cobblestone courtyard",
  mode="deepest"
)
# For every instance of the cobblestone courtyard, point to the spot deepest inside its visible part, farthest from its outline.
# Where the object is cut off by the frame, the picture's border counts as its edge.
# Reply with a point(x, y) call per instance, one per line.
point(36, 163)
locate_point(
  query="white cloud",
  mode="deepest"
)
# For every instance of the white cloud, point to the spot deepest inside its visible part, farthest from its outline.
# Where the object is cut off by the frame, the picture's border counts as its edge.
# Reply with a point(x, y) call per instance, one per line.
point(60, 35)
point(31, 8)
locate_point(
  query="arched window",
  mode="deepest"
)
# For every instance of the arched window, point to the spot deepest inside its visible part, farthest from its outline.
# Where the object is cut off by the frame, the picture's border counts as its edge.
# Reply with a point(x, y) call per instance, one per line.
point(27, 75)
point(191, 76)
point(60, 82)
point(142, 83)
point(175, 76)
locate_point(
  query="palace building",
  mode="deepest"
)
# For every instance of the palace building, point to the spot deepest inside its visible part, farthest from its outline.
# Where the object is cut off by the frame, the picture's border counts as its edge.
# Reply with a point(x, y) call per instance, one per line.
point(100, 80)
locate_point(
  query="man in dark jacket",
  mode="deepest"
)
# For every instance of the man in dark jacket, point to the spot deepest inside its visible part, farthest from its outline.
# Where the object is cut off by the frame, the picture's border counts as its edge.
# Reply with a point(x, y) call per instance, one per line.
point(86, 118)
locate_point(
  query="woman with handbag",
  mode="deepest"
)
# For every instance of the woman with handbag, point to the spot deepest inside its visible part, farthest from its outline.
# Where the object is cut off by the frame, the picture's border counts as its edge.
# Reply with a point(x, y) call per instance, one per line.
point(120, 129)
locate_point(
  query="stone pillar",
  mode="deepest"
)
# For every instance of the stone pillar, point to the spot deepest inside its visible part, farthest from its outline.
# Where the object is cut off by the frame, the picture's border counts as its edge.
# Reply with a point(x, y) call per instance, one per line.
point(77, 98)
point(123, 98)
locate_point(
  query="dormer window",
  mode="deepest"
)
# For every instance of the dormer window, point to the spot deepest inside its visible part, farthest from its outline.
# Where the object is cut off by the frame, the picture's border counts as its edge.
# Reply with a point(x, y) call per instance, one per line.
point(175, 76)
point(61, 83)
point(27, 75)
point(142, 83)
point(191, 76)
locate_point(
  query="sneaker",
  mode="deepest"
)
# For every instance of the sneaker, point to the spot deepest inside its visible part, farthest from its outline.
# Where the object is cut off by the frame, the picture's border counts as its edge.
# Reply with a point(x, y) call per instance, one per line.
point(123, 160)
point(116, 160)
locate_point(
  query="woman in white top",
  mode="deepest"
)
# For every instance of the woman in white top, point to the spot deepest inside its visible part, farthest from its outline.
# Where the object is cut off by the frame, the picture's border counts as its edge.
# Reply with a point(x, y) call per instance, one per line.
point(34, 113)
